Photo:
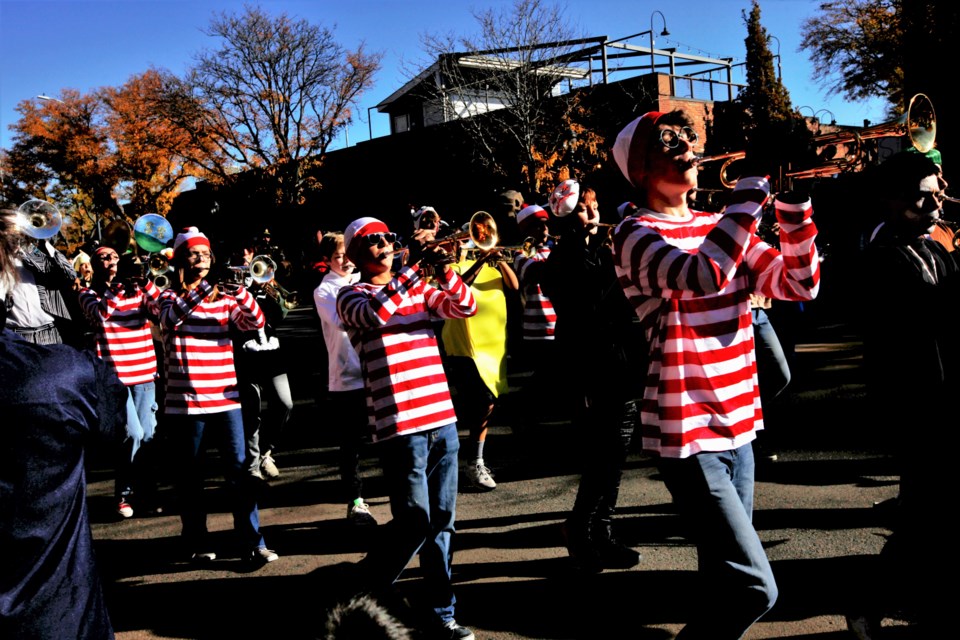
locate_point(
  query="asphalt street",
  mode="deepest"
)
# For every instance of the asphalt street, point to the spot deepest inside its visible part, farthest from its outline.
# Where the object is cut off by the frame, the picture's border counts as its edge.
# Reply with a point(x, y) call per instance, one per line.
point(814, 510)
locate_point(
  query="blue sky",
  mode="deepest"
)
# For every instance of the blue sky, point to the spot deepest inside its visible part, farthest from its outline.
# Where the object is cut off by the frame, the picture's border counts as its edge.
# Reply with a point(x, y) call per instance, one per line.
point(49, 45)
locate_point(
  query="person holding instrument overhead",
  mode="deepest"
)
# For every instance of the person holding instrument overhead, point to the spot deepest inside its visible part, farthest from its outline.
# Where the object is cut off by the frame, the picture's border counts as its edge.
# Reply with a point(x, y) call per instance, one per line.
point(689, 276)
point(196, 317)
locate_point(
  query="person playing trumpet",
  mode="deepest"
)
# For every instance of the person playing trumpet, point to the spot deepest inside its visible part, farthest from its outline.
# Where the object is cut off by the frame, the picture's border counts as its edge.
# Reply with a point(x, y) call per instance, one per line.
point(596, 332)
point(121, 308)
point(689, 275)
point(197, 317)
point(388, 318)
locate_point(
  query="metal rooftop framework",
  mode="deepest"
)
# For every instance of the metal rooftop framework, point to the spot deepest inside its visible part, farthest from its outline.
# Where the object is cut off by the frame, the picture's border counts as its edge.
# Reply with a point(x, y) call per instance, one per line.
point(586, 62)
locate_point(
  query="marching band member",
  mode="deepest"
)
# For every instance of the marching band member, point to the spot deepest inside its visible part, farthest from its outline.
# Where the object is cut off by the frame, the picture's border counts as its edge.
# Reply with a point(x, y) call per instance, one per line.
point(596, 332)
point(689, 276)
point(476, 350)
point(388, 318)
point(539, 317)
point(121, 312)
point(196, 317)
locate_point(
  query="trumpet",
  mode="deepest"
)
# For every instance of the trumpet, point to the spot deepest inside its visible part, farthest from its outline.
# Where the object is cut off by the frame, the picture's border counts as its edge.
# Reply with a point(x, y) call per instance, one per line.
point(261, 270)
point(482, 230)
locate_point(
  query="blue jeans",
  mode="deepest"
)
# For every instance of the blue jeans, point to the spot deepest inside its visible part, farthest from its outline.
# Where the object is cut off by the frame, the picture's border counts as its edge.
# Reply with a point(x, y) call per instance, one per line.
point(714, 494)
point(773, 368)
point(141, 414)
point(141, 425)
point(422, 472)
point(187, 432)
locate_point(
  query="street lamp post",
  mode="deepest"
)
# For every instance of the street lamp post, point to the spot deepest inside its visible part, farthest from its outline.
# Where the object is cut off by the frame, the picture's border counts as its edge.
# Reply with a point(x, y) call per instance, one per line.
point(653, 66)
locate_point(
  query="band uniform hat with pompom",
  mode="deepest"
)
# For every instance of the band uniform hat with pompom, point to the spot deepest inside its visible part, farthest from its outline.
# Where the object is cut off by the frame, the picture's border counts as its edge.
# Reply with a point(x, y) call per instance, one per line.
point(564, 198)
point(530, 214)
point(629, 150)
point(187, 239)
point(359, 228)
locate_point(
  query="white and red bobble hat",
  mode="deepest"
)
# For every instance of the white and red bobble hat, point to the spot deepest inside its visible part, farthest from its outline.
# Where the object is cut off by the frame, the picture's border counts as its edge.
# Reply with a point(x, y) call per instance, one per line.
point(359, 228)
point(529, 214)
point(628, 150)
point(564, 198)
point(189, 238)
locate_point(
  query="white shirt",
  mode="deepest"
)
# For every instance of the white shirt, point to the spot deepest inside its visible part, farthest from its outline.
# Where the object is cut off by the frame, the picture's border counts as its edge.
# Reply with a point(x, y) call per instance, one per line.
point(343, 372)
point(26, 313)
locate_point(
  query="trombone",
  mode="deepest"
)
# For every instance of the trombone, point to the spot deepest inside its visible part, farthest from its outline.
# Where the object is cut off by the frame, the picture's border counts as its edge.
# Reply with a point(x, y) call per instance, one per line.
point(919, 124)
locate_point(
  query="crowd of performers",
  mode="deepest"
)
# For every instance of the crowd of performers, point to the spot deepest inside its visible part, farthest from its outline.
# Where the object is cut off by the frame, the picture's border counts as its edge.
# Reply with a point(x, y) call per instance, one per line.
point(655, 311)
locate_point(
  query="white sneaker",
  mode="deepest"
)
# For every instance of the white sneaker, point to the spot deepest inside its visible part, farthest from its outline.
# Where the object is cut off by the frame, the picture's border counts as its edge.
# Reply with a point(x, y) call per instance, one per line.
point(268, 467)
point(480, 476)
point(359, 514)
point(263, 555)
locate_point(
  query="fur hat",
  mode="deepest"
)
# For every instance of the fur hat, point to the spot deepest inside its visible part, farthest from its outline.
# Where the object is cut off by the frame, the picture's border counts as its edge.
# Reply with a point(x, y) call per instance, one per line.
point(564, 198)
point(187, 239)
point(359, 228)
point(530, 214)
point(511, 201)
point(629, 152)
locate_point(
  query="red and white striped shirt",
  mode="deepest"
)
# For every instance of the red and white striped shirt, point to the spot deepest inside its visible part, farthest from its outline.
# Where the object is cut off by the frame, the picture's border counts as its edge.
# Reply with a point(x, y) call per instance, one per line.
point(390, 327)
point(123, 335)
point(539, 318)
point(201, 377)
point(689, 280)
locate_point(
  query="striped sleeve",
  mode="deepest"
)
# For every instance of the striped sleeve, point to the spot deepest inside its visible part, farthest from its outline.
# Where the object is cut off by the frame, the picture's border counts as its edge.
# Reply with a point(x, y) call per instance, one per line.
point(174, 309)
point(98, 309)
point(246, 314)
point(793, 273)
point(454, 299)
point(690, 265)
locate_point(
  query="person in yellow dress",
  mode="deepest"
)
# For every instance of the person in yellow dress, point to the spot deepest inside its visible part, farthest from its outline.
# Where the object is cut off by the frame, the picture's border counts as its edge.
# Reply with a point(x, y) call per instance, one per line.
point(476, 350)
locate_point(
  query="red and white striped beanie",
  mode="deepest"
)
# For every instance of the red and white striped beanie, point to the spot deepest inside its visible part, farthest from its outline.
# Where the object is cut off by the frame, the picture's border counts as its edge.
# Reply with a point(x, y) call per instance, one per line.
point(187, 239)
point(564, 198)
point(530, 214)
point(629, 150)
point(359, 228)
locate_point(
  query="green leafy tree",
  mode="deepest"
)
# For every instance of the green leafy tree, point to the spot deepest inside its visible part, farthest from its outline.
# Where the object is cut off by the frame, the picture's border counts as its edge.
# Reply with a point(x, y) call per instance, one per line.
point(857, 48)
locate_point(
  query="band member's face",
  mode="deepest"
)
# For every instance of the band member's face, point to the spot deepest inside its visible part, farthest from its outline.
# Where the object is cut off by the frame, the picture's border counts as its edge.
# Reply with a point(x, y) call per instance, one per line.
point(198, 261)
point(588, 211)
point(340, 263)
point(86, 271)
point(920, 209)
point(375, 254)
point(107, 260)
point(539, 231)
point(429, 221)
point(670, 168)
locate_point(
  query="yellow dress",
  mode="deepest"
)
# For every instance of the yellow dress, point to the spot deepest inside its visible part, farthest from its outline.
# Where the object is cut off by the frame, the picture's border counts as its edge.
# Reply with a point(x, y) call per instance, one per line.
point(483, 336)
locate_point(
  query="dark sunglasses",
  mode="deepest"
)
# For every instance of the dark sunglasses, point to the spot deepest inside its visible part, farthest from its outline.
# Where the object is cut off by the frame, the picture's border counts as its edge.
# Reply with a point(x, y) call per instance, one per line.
point(380, 239)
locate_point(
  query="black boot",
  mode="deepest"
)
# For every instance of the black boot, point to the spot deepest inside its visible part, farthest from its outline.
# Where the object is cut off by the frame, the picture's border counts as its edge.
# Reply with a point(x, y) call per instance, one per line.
point(611, 553)
point(576, 537)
